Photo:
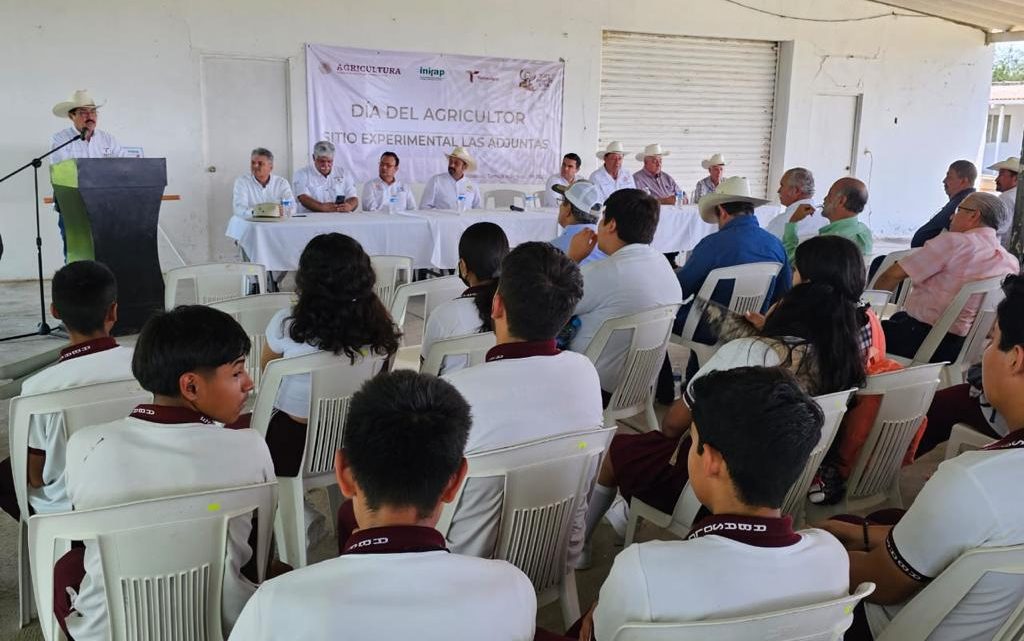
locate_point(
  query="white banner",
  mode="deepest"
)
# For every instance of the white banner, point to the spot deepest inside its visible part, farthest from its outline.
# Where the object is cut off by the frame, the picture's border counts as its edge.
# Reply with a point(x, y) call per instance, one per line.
point(506, 113)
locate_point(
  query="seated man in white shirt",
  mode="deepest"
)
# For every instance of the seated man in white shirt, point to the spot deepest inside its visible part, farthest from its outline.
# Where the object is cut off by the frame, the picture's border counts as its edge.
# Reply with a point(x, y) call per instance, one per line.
point(566, 176)
point(401, 460)
point(192, 359)
point(453, 189)
point(972, 501)
point(634, 277)
point(753, 431)
point(260, 185)
point(1006, 184)
point(387, 190)
point(85, 300)
point(322, 186)
point(610, 176)
point(796, 187)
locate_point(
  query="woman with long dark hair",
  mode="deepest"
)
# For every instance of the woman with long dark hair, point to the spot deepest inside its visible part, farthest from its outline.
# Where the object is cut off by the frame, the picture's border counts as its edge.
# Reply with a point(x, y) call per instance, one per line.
point(482, 247)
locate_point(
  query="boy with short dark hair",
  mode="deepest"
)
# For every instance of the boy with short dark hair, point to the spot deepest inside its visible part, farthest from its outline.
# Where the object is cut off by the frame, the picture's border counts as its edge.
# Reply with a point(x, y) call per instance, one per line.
point(193, 361)
point(401, 460)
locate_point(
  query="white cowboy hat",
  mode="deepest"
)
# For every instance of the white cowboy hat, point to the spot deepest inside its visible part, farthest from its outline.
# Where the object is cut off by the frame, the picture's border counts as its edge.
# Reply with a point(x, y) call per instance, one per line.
point(463, 155)
point(730, 190)
point(1010, 164)
point(614, 147)
point(80, 98)
point(708, 163)
point(653, 150)
point(583, 194)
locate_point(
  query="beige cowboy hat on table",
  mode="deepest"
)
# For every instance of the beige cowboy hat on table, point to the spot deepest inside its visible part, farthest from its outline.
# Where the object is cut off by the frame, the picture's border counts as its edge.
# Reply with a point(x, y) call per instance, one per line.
point(463, 155)
point(717, 159)
point(1010, 164)
point(80, 98)
point(653, 150)
point(730, 190)
point(614, 147)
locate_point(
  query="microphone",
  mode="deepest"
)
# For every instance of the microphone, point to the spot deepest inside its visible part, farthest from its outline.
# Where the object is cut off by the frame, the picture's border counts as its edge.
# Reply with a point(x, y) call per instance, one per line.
point(514, 208)
point(83, 134)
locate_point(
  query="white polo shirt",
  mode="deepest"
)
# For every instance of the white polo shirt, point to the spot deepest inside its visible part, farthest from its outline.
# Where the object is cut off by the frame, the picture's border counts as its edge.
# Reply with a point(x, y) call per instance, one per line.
point(161, 451)
point(293, 395)
point(608, 185)
point(728, 566)
point(972, 501)
point(442, 192)
point(634, 279)
point(393, 583)
point(377, 195)
point(249, 192)
point(549, 198)
point(100, 360)
point(100, 145)
point(451, 319)
point(310, 182)
point(524, 392)
point(806, 228)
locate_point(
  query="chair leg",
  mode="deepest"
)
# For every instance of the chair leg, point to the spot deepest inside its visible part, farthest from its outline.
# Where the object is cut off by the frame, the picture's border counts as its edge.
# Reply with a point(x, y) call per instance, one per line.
point(650, 416)
point(631, 527)
point(334, 499)
point(26, 599)
point(569, 599)
point(290, 523)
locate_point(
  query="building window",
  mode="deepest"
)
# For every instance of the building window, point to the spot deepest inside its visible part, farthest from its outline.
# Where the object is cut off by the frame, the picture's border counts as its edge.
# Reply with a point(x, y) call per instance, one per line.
point(1006, 128)
point(993, 128)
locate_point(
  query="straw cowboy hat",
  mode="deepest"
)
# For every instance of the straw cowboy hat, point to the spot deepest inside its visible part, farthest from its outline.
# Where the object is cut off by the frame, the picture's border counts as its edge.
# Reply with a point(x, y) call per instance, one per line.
point(80, 98)
point(1010, 164)
point(708, 163)
point(463, 155)
point(730, 190)
point(653, 150)
point(614, 147)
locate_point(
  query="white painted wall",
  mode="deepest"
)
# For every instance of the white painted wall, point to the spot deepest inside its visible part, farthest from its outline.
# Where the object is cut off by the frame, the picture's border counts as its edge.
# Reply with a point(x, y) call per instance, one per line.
point(925, 82)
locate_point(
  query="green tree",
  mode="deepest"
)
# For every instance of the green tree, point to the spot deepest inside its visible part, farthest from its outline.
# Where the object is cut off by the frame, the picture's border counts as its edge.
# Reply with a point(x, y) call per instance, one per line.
point(1008, 65)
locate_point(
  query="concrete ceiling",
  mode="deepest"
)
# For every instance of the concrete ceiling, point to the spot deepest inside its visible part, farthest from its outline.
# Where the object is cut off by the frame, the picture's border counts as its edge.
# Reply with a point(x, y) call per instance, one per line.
point(1001, 20)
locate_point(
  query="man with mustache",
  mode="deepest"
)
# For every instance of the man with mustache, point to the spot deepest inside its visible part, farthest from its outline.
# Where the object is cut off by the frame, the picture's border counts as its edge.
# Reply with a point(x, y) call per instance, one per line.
point(448, 190)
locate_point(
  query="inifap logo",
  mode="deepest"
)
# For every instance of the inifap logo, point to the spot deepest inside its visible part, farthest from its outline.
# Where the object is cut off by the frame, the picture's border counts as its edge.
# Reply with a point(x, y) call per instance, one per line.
point(430, 73)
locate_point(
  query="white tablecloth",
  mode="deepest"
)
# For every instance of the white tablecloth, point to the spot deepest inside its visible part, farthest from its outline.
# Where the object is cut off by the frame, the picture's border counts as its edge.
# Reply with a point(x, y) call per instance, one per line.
point(681, 228)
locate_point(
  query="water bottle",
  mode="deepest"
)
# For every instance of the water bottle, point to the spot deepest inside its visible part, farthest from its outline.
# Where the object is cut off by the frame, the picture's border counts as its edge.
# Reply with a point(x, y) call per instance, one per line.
point(462, 202)
point(531, 201)
point(287, 207)
point(679, 198)
point(392, 204)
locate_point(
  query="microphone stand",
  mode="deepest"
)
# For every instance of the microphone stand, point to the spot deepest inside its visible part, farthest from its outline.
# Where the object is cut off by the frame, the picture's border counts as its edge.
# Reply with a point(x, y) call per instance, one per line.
point(43, 329)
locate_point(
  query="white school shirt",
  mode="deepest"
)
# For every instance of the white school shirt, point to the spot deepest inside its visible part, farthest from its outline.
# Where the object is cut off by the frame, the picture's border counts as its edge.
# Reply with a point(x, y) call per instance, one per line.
point(293, 395)
point(1009, 198)
point(524, 392)
point(101, 145)
point(158, 452)
point(442, 192)
point(549, 198)
point(806, 228)
point(458, 317)
point(729, 566)
point(634, 279)
point(377, 195)
point(100, 360)
point(310, 182)
point(393, 583)
point(607, 185)
point(249, 192)
point(972, 501)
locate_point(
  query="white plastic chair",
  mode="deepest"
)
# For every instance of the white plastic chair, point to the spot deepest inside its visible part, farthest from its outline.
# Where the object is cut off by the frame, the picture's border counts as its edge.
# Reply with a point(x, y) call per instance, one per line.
point(751, 283)
point(253, 313)
point(502, 198)
point(213, 282)
point(391, 271)
point(898, 297)
point(178, 588)
point(539, 197)
point(433, 291)
point(634, 392)
point(544, 482)
point(680, 521)
point(474, 347)
point(826, 621)
point(877, 298)
point(964, 438)
point(875, 479)
point(80, 407)
point(923, 614)
point(333, 381)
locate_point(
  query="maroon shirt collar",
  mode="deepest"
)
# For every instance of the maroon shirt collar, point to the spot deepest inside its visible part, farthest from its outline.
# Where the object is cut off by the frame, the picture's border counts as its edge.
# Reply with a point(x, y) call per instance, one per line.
point(1013, 440)
point(395, 540)
point(88, 347)
point(508, 351)
point(473, 291)
point(758, 531)
point(167, 415)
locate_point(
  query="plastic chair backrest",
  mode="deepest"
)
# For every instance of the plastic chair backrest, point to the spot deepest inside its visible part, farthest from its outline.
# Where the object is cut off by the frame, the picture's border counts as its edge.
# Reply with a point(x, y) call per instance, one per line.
point(903, 289)
point(987, 293)
point(906, 396)
point(180, 588)
point(434, 291)
point(650, 335)
point(333, 381)
point(877, 298)
point(834, 407)
point(253, 313)
point(751, 283)
point(213, 281)
point(391, 271)
point(539, 195)
point(921, 615)
point(825, 621)
point(473, 346)
point(502, 198)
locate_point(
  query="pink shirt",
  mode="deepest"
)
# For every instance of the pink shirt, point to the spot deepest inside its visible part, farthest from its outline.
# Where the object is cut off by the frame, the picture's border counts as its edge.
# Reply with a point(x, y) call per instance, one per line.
point(948, 262)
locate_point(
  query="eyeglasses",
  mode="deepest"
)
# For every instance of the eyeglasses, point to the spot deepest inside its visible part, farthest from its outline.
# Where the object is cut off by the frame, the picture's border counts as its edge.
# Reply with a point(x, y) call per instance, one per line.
point(84, 112)
point(967, 209)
